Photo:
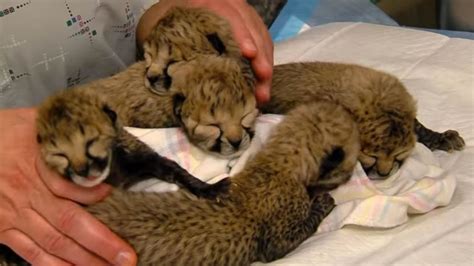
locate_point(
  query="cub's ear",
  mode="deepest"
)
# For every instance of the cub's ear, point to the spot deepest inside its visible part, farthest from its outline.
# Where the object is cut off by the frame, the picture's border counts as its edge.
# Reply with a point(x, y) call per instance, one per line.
point(216, 42)
point(178, 100)
point(149, 52)
point(110, 113)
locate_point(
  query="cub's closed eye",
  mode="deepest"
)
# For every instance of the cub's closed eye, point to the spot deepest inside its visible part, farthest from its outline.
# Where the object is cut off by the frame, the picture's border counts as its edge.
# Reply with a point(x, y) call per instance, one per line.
point(60, 155)
point(90, 142)
point(402, 156)
point(153, 79)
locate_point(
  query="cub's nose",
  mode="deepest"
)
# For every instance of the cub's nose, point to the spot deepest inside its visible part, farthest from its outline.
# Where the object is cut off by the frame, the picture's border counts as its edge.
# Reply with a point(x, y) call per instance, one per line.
point(383, 174)
point(82, 170)
point(235, 143)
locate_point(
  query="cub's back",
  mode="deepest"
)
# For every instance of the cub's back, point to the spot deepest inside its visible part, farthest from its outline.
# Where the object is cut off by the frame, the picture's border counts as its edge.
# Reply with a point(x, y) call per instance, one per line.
point(177, 229)
point(355, 87)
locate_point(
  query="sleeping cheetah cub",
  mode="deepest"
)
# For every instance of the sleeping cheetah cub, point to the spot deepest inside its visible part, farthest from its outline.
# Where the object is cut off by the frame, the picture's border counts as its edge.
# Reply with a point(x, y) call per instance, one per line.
point(82, 138)
point(382, 107)
point(268, 211)
point(271, 206)
point(182, 34)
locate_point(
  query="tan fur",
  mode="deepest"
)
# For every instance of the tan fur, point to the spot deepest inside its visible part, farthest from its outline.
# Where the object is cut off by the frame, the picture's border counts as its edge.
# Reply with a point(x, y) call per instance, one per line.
point(182, 34)
point(267, 212)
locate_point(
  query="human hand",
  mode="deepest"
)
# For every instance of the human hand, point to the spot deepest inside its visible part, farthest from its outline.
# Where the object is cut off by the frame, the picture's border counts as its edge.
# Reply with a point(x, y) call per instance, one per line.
point(249, 31)
point(38, 218)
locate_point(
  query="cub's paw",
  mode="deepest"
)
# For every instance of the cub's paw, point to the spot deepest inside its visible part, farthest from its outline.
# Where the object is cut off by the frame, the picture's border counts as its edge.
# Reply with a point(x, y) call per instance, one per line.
point(324, 203)
point(449, 141)
point(213, 191)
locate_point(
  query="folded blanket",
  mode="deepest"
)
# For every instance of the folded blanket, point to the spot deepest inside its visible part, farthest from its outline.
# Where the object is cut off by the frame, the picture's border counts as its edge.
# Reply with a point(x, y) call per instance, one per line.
point(419, 186)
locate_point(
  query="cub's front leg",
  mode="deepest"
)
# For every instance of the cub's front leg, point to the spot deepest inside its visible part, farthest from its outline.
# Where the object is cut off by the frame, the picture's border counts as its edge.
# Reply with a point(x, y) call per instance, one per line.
point(82, 138)
point(449, 140)
point(135, 161)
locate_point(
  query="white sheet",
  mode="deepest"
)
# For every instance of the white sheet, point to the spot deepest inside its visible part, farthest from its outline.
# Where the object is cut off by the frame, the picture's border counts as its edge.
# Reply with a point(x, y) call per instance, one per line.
point(439, 72)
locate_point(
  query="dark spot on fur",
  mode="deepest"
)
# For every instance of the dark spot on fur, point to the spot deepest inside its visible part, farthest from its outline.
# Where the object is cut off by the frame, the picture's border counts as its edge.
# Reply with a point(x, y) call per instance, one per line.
point(59, 111)
point(331, 161)
point(213, 109)
point(178, 100)
point(81, 128)
point(216, 42)
point(38, 138)
point(110, 113)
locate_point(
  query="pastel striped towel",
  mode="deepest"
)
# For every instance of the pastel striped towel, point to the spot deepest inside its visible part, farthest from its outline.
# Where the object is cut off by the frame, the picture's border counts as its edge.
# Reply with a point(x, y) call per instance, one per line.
point(419, 186)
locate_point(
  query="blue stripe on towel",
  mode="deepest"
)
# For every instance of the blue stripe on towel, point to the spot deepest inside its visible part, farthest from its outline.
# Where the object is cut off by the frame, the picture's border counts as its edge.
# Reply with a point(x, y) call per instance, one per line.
point(292, 18)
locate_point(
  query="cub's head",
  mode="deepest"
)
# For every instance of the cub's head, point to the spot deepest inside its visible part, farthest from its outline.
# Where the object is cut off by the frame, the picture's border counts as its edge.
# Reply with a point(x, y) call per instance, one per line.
point(76, 134)
point(213, 100)
point(192, 57)
point(386, 141)
point(184, 33)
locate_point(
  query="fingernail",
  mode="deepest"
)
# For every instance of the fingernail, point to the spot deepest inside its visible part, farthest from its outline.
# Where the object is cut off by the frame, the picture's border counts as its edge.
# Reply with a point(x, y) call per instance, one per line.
point(124, 259)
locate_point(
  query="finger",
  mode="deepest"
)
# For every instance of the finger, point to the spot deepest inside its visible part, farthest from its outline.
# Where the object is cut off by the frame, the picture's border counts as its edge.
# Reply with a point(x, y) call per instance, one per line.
point(264, 81)
point(262, 64)
point(86, 230)
point(54, 242)
point(28, 249)
point(261, 30)
point(264, 44)
point(262, 92)
point(66, 189)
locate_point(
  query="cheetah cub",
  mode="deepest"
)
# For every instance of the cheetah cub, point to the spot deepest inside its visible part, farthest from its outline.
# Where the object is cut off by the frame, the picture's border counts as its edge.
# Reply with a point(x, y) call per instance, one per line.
point(182, 34)
point(191, 57)
point(383, 109)
point(83, 139)
point(268, 211)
